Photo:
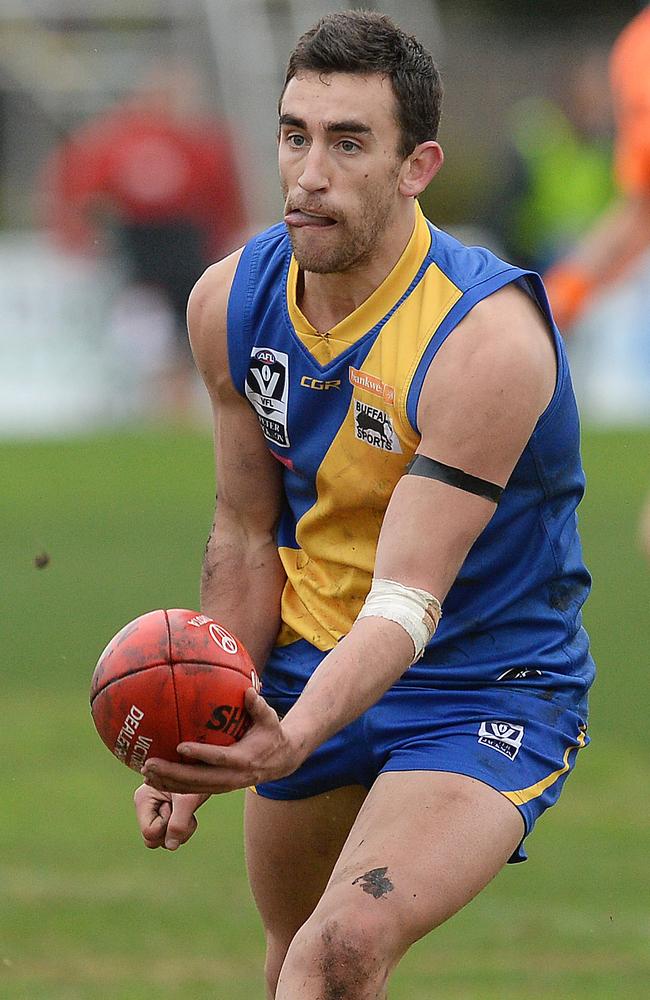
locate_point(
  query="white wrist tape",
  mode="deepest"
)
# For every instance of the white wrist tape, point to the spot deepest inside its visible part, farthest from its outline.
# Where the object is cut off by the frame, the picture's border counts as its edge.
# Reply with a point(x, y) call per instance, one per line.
point(417, 611)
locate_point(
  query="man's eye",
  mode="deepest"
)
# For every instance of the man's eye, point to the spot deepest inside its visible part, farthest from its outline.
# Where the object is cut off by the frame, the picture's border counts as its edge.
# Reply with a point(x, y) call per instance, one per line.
point(348, 146)
point(296, 140)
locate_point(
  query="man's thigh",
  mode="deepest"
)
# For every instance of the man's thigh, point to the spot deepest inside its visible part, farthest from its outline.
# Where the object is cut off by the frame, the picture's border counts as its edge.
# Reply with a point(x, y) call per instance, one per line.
point(424, 844)
point(291, 849)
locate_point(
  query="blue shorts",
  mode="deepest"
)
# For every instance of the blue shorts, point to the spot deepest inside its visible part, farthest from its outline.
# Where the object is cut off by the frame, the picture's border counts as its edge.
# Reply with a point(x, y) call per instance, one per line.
point(519, 740)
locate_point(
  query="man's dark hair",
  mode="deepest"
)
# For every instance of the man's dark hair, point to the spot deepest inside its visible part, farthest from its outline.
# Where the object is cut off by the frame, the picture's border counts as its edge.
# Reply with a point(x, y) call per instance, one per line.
point(365, 42)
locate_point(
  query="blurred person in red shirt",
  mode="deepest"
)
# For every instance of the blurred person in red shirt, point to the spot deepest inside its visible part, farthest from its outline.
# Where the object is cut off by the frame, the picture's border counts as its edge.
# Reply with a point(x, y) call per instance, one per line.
point(154, 183)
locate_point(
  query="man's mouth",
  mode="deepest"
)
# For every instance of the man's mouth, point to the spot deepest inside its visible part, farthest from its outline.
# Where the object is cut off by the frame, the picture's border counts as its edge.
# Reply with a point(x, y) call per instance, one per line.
point(300, 218)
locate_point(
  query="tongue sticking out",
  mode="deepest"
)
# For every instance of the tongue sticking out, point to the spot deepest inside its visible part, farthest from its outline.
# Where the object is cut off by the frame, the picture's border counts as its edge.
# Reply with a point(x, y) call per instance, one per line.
point(299, 219)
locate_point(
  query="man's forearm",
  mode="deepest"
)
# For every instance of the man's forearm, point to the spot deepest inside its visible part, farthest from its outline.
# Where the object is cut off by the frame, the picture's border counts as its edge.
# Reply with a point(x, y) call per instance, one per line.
point(616, 241)
point(362, 667)
point(241, 587)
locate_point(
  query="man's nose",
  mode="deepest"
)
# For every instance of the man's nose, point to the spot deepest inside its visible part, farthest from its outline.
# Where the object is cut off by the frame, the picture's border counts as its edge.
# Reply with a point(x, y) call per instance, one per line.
point(314, 176)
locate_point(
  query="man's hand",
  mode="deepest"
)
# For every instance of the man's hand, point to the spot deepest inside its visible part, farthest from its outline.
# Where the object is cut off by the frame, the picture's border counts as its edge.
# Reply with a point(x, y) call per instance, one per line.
point(264, 754)
point(166, 820)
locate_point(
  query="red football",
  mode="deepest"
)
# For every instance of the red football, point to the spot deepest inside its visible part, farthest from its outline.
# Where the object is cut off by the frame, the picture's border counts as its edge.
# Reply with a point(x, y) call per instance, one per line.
point(166, 677)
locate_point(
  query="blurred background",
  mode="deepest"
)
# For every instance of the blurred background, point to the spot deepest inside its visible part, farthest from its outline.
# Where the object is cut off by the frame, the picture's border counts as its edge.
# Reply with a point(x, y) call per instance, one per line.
point(137, 144)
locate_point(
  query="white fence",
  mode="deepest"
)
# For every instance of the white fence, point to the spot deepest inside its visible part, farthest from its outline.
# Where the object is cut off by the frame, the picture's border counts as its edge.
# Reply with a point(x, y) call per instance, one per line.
point(77, 350)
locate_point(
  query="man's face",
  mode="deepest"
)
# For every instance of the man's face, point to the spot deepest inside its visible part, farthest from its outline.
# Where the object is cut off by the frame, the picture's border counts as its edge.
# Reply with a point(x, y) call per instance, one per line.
point(339, 167)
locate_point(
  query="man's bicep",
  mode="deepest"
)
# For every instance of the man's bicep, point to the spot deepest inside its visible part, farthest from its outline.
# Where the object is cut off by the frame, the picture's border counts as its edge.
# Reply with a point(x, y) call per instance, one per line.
point(428, 529)
point(488, 386)
point(479, 406)
point(249, 482)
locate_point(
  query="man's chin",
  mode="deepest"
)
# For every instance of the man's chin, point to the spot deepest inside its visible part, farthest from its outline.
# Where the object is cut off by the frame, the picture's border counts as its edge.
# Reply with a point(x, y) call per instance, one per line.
point(312, 266)
point(320, 259)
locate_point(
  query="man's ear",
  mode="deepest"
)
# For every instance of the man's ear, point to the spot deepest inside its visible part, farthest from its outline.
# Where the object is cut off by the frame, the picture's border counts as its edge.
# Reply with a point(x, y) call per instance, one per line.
point(420, 168)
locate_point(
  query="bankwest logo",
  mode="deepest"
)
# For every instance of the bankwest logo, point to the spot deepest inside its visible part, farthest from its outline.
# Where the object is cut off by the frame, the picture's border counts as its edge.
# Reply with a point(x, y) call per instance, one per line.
point(372, 384)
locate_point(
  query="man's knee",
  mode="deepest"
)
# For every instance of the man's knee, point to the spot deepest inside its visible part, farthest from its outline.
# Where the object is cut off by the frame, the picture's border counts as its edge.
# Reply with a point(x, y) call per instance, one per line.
point(345, 949)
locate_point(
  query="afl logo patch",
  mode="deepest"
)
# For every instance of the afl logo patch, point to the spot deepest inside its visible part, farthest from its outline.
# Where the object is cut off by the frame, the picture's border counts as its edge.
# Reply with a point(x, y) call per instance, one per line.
point(375, 427)
point(267, 389)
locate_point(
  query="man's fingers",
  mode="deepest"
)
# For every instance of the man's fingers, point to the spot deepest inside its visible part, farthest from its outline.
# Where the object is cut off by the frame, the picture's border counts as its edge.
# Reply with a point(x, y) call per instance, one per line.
point(213, 769)
point(154, 834)
point(182, 823)
point(153, 830)
point(204, 752)
point(165, 820)
point(196, 779)
point(259, 710)
point(152, 809)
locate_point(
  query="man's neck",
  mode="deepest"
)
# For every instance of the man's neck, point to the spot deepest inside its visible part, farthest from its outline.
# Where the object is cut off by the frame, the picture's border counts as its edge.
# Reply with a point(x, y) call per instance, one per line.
point(326, 299)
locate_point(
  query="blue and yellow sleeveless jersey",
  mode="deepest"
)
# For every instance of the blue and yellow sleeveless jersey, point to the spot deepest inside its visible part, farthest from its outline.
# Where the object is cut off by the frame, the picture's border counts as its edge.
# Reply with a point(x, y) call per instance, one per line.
point(339, 412)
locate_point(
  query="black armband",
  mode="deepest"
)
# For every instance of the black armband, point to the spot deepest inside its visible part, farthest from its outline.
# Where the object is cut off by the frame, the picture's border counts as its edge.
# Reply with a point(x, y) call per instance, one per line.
point(430, 469)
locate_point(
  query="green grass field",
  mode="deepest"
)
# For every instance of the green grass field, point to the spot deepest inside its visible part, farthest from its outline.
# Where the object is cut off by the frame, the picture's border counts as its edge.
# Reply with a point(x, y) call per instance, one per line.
point(86, 912)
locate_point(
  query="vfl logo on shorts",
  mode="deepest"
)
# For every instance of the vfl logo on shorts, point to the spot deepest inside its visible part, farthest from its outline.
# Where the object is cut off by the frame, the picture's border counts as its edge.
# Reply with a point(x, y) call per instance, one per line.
point(505, 737)
point(267, 389)
point(375, 427)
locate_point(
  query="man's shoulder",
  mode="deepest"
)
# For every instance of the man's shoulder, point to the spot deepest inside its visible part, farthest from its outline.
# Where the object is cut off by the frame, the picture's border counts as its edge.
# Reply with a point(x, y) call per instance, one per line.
point(276, 233)
point(263, 260)
point(208, 301)
point(268, 243)
point(464, 263)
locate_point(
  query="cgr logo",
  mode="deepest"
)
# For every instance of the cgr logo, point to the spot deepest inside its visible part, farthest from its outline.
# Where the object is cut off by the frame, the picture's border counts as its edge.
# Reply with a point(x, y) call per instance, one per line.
point(506, 737)
point(317, 383)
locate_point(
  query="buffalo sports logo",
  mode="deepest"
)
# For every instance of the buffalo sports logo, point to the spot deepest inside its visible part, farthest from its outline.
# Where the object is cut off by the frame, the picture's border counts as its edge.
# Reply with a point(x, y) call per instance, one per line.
point(375, 427)
point(267, 389)
point(505, 737)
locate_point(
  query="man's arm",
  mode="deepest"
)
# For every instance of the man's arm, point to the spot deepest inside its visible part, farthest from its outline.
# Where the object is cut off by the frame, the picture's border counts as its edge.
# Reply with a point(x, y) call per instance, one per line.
point(479, 405)
point(242, 578)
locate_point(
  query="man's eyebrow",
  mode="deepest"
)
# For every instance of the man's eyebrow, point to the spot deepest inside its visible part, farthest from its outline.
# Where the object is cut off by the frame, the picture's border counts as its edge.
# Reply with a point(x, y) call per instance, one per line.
point(356, 127)
point(351, 125)
point(292, 120)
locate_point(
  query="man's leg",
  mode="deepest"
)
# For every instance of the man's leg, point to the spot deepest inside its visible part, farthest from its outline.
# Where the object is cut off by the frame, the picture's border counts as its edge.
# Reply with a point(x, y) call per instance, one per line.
point(291, 849)
point(423, 845)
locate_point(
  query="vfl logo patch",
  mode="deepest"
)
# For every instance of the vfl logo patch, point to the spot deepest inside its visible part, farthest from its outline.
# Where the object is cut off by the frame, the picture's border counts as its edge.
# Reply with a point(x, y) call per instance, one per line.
point(505, 737)
point(267, 389)
point(375, 427)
